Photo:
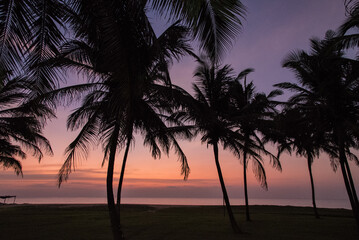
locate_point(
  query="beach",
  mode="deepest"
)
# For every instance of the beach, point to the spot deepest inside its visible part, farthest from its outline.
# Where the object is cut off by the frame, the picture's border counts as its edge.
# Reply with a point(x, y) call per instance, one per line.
point(91, 221)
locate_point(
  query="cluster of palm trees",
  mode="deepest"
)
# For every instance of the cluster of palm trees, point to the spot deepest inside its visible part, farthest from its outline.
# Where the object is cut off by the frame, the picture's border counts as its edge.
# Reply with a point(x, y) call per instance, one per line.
point(226, 112)
point(324, 106)
point(129, 88)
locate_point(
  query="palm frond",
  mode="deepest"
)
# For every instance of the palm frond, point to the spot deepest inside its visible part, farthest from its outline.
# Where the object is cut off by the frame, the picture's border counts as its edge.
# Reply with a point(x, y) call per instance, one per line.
point(214, 23)
point(259, 173)
point(244, 73)
point(44, 43)
point(185, 170)
point(78, 149)
point(173, 42)
point(10, 162)
point(15, 17)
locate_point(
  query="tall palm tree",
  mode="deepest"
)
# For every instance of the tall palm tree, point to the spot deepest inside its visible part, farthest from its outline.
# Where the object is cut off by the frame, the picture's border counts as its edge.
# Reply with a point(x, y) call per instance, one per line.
point(207, 112)
point(301, 135)
point(253, 113)
point(20, 125)
point(329, 82)
point(170, 44)
point(130, 93)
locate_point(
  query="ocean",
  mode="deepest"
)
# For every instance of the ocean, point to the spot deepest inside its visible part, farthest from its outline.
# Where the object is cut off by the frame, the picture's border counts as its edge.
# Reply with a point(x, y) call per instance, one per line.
point(188, 201)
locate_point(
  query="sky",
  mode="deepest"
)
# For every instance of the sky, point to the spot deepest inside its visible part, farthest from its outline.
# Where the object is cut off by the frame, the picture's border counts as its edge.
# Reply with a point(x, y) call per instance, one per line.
point(271, 30)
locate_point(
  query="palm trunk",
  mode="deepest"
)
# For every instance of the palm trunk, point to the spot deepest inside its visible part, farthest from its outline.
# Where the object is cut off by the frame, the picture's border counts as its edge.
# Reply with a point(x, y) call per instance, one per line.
point(115, 223)
point(119, 190)
point(224, 191)
point(245, 183)
point(309, 160)
point(355, 196)
point(348, 186)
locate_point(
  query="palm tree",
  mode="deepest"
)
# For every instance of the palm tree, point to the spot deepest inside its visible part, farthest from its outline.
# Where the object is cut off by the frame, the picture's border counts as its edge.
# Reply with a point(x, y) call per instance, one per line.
point(299, 126)
point(20, 125)
point(329, 82)
point(253, 113)
point(130, 94)
point(207, 113)
point(140, 111)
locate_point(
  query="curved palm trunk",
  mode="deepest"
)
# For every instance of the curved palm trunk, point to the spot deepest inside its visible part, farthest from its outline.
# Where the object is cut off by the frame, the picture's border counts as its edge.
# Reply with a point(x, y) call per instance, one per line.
point(349, 187)
point(245, 184)
point(224, 191)
point(352, 183)
point(309, 160)
point(115, 223)
point(121, 178)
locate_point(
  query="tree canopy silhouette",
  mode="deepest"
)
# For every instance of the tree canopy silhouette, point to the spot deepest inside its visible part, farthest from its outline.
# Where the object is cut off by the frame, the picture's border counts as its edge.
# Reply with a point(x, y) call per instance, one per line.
point(21, 124)
point(208, 114)
point(328, 87)
point(253, 114)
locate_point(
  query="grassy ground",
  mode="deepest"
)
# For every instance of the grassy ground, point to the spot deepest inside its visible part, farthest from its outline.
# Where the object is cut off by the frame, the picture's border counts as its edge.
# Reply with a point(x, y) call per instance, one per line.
point(55, 222)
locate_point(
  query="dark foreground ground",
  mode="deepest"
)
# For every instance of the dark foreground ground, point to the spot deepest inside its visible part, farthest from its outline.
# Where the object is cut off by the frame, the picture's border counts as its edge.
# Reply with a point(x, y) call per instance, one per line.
point(140, 222)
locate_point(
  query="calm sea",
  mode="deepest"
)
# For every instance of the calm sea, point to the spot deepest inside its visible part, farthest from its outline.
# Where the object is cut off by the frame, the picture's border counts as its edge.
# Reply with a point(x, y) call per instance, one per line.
point(189, 201)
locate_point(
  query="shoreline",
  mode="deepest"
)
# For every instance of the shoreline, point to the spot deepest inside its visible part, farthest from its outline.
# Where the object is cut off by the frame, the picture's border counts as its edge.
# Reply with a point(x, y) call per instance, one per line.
point(333, 203)
point(160, 206)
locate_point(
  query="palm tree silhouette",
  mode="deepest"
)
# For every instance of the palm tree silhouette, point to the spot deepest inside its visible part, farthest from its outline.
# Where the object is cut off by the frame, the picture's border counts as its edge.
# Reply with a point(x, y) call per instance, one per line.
point(117, 36)
point(207, 113)
point(328, 81)
point(253, 113)
point(146, 112)
point(134, 96)
point(299, 126)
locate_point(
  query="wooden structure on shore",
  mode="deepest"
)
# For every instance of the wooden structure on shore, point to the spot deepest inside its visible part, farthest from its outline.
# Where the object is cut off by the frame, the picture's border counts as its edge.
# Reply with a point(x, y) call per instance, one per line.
point(6, 197)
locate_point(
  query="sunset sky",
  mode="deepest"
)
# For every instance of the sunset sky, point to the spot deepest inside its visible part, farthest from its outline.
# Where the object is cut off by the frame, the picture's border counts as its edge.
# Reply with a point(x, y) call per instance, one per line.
point(270, 31)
